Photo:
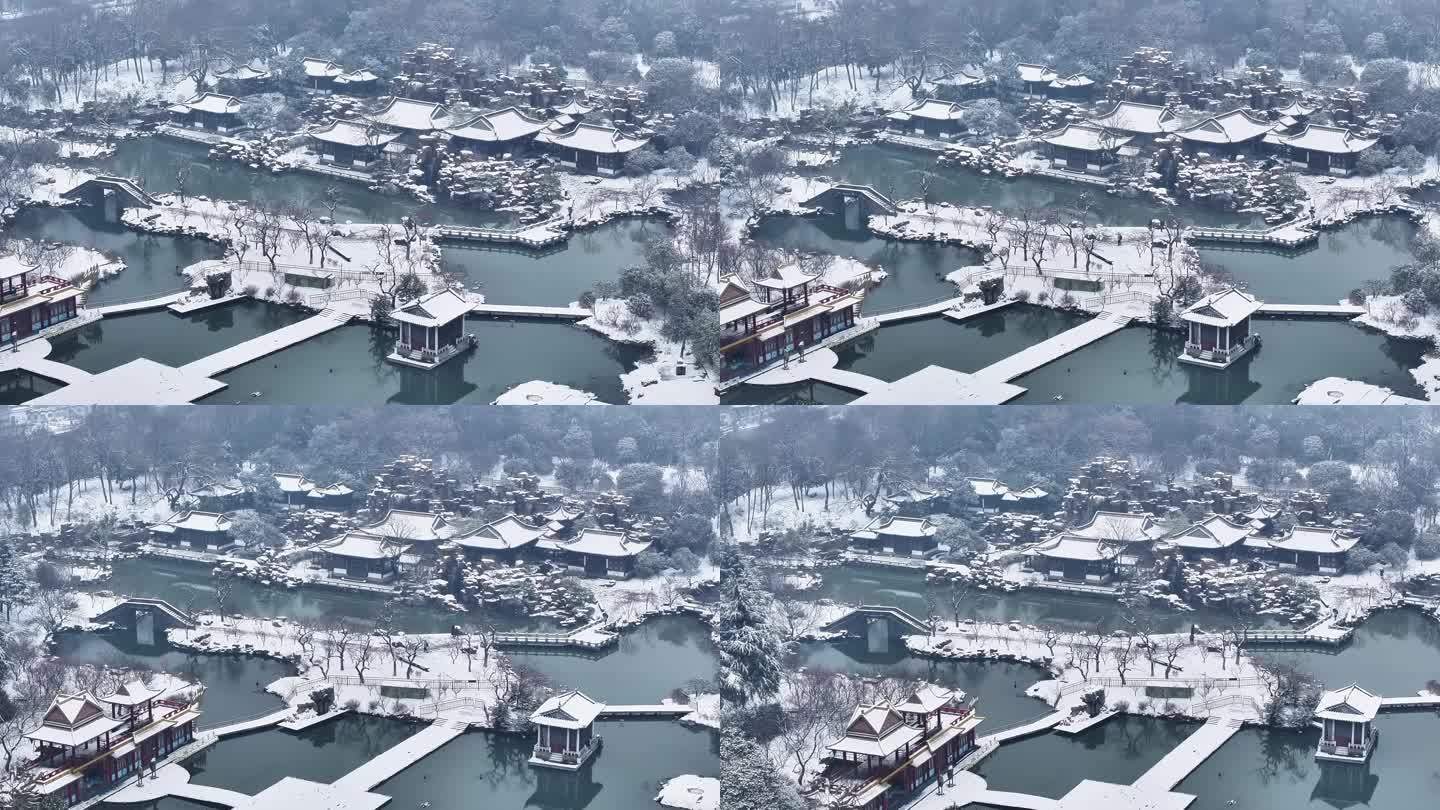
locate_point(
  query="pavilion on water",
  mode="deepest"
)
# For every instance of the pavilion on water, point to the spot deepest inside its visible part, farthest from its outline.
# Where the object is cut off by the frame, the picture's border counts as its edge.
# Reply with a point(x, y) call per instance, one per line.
point(1219, 328)
point(1347, 724)
point(432, 329)
point(565, 735)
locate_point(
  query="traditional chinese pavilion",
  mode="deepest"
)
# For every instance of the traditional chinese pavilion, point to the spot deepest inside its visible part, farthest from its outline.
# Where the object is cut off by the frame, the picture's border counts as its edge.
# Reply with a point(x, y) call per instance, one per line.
point(1347, 724)
point(784, 314)
point(432, 329)
point(565, 735)
point(32, 303)
point(1219, 328)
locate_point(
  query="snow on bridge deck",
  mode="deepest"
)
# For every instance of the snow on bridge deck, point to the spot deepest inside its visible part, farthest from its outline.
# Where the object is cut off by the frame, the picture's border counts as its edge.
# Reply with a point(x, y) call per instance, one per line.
point(138, 382)
point(60, 372)
point(402, 756)
point(523, 311)
point(920, 311)
point(142, 304)
point(1400, 704)
point(266, 344)
point(1048, 351)
point(251, 723)
point(1184, 758)
point(1314, 310)
point(210, 795)
point(623, 710)
point(849, 380)
point(1039, 724)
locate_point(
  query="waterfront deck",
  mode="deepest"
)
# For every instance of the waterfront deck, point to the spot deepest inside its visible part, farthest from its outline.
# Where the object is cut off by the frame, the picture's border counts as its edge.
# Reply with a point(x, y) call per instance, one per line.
point(918, 311)
point(142, 304)
point(254, 723)
point(1046, 352)
point(52, 370)
point(396, 759)
point(1036, 726)
point(1410, 704)
point(1184, 758)
point(1287, 235)
point(523, 311)
point(540, 235)
point(267, 344)
point(1311, 310)
point(937, 385)
point(138, 382)
point(669, 710)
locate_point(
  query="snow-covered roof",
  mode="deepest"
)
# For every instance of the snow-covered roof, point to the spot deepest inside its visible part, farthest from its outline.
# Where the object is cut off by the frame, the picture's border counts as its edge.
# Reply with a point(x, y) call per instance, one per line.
point(11, 265)
point(508, 124)
point(405, 524)
point(357, 77)
point(1067, 546)
point(1321, 138)
point(1352, 703)
point(787, 277)
point(1073, 80)
point(573, 107)
point(603, 543)
point(320, 68)
point(1262, 512)
point(363, 546)
point(506, 533)
point(352, 133)
point(987, 487)
point(1036, 73)
point(935, 110)
point(1236, 126)
point(563, 512)
point(132, 693)
point(210, 103)
point(1316, 539)
point(573, 710)
point(1125, 527)
point(73, 720)
point(1144, 119)
point(897, 526)
point(243, 73)
point(1028, 493)
point(930, 698)
point(1086, 138)
point(1295, 109)
point(330, 491)
point(412, 115)
point(435, 309)
point(1225, 308)
point(593, 138)
point(740, 309)
point(291, 482)
point(875, 730)
point(963, 78)
point(197, 521)
point(1211, 534)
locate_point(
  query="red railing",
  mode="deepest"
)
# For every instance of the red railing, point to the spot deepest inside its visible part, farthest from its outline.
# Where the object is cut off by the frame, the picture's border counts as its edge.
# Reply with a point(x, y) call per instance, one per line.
point(831, 294)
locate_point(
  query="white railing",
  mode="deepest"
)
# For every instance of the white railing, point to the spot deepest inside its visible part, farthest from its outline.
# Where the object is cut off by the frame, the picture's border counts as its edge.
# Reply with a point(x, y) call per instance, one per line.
point(1226, 354)
point(567, 757)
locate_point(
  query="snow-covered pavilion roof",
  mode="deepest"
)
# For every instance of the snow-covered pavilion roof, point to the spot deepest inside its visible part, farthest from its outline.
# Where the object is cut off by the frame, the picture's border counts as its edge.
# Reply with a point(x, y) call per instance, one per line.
point(875, 730)
point(435, 309)
point(320, 68)
point(1028, 493)
point(963, 78)
point(357, 77)
point(1295, 109)
point(246, 72)
point(1211, 534)
point(73, 720)
point(1036, 73)
point(1125, 527)
point(362, 545)
point(740, 309)
point(1321, 138)
point(330, 491)
point(12, 265)
point(573, 107)
point(1144, 119)
point(1066, 546)
point(593, 138)
point(293, 482)
point(352, 133)
point(1086, 137)
point(506, 533)
point(412, 115)
point(787, 277)
point(1352, 703)
point(1073, 80)
point(1236, 126)
point(1316, 539)
point(563, 512)
point(209, 103)
point(197, 521)
point(1225, 308)
point(896, 526)
point(406, 524)
point(929, 698)
point(604, 543)
point(132, 693)
point(987, 487)
point(935, 110)
point(508, 124)
point(571, 710)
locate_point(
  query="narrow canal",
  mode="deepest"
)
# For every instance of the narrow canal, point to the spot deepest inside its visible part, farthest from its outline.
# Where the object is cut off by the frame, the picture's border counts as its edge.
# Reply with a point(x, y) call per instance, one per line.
point(348, 365)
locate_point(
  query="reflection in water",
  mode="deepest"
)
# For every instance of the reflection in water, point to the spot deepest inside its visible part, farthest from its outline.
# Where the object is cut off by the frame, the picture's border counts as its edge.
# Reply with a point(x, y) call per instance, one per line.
point(19, 387)
point(1117, 750)
point(250, 763)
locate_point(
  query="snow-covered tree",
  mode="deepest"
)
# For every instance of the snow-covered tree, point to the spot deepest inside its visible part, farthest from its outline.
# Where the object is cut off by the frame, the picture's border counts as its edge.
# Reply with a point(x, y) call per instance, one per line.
point(749, 645)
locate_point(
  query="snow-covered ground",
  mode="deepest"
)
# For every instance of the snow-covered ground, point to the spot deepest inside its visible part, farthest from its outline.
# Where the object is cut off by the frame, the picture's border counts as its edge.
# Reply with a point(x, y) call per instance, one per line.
point(832, 87)
point(88, 503)
point(690, 792)
point(845, 511)
point(121, 81)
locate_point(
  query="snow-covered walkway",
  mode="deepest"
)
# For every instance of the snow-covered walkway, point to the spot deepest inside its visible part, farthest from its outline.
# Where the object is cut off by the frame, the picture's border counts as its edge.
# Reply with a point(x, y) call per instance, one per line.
point(1035, 726)
point(1184, 758)
point(1048, 351)
point(268, 343)
point(920, 311)
point(402, 756)
point(522, 311)
point(252, 723)
point(156, 302)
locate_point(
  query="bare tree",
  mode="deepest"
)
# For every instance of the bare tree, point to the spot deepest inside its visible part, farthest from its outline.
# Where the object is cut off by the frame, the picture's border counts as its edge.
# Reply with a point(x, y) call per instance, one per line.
point(1169, 649)
point(362, 653)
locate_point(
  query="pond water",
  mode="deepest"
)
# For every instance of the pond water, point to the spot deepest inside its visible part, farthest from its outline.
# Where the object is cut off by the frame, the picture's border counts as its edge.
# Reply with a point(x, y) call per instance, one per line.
point(555, 277)
point(155, 161)
point(999, 685)
point(167, 338)
point(250, 763)
point(1138, 365)
point(19, 387)
point(900, 173)
point(1340, 261)
point(189, 586)
point(648, 663)
point(1406, 640)
point(916, 270)
point(152, 261)
point(1052, 764)
point(802, 393)
point(230, 680)
point(891, 352)
point(1258, 768)
point(490, 770)
point(348, 365)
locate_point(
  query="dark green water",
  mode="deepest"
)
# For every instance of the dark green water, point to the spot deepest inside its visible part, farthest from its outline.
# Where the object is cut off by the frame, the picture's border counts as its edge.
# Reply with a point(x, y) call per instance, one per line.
point(348, 365)
point(152, 262)
point(1340, 261)
point(916, 270)
point(1138, 365)
point(556, 277)
point(490, 771)
point(250, 763)
point(167, 338)
point(647, 664)
point(1000, 686)
point(891, 352)
point(1407, 641)
point(901, 173)
point(155, 161)
point(19, 387)
point(1052, 764)
point(189, 586)
point(1259, 769)
point(231, 692)
point(805, 393)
